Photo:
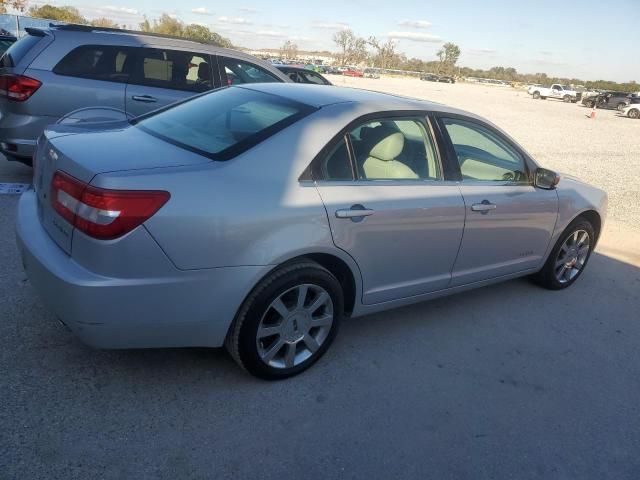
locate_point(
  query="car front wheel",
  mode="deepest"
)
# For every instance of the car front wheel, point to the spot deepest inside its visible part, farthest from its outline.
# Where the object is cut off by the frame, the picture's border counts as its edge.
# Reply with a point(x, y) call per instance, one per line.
point(569, 257)
point(288, 321)
point(634, 113)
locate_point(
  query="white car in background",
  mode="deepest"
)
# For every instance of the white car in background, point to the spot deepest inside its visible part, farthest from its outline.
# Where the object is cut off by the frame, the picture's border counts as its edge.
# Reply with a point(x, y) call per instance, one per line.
point(632, 111)
point(556, 90)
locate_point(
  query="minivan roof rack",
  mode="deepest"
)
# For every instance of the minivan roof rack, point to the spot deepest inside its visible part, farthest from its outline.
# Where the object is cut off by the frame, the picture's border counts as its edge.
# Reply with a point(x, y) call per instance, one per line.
point(90, 28)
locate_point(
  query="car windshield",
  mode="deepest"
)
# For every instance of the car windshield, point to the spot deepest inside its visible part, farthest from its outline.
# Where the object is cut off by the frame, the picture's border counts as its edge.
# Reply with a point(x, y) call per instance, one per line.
point(225, 122)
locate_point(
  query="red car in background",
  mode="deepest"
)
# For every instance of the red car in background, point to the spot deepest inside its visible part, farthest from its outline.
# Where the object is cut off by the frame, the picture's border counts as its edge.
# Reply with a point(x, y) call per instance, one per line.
point(352, 72)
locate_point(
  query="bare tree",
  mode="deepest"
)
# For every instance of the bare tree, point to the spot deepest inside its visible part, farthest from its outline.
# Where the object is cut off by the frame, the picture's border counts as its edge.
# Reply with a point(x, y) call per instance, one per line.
point(353, 49)
point(289, 50)
point(19, 5)
point(385, 52)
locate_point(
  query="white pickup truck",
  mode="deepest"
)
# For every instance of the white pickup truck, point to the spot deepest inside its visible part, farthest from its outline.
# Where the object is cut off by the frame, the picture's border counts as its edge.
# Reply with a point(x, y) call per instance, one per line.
point(556, 91)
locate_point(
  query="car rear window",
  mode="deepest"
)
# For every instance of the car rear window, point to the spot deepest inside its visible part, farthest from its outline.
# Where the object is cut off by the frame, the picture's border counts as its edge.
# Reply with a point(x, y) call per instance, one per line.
point(18, 50)
point(225, 122)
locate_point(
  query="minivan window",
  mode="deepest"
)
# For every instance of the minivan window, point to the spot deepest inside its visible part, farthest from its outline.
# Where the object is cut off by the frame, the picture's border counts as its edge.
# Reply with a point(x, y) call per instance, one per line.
point(174, 69)
point(18, 50)
point(238, 72)
point(225, 122)
point(98, 62)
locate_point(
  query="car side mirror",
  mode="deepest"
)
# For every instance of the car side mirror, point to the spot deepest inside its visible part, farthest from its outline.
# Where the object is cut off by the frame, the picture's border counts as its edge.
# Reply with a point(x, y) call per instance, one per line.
point(546, 179)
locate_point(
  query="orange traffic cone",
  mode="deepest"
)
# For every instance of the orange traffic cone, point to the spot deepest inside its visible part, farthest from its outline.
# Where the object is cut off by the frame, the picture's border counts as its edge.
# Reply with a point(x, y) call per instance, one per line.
point(592, 115)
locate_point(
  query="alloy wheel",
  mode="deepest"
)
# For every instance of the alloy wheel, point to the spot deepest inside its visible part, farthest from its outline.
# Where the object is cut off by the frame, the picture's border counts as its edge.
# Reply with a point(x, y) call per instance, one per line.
point(294, 326)
point(572, 256)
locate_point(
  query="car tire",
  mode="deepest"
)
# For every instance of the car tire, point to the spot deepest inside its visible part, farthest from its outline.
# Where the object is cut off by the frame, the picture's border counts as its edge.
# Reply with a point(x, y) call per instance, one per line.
point(633, 113)
point(536, 95)
point(589, 104)
point(276, 334)
point(621, 106)
point(569, 256)
point(566, 98)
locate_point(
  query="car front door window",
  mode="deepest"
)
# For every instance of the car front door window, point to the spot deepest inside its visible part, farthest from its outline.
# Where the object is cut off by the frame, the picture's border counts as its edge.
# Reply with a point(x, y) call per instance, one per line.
point(483, 155)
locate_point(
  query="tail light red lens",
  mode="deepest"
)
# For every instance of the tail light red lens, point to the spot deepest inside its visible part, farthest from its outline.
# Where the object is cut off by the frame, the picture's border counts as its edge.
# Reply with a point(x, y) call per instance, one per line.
point(18, 87)
point(101, 213)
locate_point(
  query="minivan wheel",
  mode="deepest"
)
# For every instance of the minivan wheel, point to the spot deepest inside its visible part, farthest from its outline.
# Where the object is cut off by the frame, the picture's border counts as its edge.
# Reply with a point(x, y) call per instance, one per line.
point(569, 256)
point(287, 322)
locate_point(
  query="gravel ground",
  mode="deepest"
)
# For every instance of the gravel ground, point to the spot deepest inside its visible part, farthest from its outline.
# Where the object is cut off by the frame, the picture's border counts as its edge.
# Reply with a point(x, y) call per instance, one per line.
point(604, 152)
point(509, 381)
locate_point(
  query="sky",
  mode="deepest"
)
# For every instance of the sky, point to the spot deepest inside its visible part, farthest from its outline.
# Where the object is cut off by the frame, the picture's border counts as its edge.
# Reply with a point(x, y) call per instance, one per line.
point(587, 39)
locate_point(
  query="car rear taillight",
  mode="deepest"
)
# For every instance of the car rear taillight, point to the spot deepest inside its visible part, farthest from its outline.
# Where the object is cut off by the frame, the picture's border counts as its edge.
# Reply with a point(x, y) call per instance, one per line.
point(101, 213)
point(18, 87)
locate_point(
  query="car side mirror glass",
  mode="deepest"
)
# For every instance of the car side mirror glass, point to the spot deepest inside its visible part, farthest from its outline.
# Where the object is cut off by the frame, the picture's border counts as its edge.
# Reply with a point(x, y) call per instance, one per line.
point(546, 179)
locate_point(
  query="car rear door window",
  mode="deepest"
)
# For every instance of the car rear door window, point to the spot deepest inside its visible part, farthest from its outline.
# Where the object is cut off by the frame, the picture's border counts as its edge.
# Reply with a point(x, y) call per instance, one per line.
point(336, 165)
point(98, 62)
point(395, 149)
point(173, 69)
point(482, 154)
point(237, 72)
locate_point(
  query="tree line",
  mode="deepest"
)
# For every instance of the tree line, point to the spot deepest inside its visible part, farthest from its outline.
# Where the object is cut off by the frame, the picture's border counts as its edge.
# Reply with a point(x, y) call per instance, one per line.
point(165, 25)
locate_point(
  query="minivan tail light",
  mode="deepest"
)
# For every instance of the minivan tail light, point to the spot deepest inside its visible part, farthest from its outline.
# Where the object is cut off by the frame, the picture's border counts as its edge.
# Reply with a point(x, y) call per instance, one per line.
point(101, 213)
point(18, 87)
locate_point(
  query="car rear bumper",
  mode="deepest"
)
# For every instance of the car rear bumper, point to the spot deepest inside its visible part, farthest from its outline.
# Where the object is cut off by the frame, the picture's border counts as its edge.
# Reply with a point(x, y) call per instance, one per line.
point(185, 308)
point(19, 132)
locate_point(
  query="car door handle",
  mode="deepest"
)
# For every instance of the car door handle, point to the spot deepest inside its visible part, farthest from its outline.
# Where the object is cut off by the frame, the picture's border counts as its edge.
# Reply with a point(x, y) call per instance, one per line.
point(483, 207)
point(144, 98)
point(356, 211)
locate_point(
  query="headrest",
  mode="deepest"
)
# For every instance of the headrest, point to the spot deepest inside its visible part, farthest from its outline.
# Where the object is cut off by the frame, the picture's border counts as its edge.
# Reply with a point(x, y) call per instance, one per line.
point(204, 72)
point(387, 143)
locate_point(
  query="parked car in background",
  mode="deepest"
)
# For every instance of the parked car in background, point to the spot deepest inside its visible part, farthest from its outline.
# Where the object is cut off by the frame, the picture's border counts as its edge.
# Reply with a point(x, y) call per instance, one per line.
point(51, 72)
point(446, 79)
point(371, 73)
point(556, 91)
point(632, 110)
point(429, 77)
point(608, 100)
point(352, 72)
point(303, 75)
point(5, 42)
point(258, 216)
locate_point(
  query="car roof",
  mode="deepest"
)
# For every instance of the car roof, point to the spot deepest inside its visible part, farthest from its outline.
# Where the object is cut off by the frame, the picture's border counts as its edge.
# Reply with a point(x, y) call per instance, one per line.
point(320, 96)
point(148, 38)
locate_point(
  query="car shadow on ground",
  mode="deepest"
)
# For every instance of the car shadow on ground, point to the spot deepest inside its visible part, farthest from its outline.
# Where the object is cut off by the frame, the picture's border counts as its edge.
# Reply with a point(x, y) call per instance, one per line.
point(410, 334)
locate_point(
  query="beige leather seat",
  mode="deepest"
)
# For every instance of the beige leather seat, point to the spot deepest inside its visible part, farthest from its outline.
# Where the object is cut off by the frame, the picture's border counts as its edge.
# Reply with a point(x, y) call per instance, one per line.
point(381, 163)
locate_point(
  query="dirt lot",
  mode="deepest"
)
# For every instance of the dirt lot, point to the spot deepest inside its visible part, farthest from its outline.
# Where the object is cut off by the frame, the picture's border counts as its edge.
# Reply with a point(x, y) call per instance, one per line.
point(509, 381)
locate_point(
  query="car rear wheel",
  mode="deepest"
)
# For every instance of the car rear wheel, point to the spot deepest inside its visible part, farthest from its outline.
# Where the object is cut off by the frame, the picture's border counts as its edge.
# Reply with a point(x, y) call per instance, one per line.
point(536, 95)
point(288, 321)
point(621, 106)
point(569, 257)
point(634, 113)
point(566, 98)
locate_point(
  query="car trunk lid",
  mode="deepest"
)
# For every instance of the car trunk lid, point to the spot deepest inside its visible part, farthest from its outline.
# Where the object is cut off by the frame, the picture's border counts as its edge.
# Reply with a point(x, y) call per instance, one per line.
point(86, 151)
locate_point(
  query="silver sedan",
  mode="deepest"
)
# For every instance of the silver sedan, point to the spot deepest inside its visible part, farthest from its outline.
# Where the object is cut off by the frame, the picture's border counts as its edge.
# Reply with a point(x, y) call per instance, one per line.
point(258, 217)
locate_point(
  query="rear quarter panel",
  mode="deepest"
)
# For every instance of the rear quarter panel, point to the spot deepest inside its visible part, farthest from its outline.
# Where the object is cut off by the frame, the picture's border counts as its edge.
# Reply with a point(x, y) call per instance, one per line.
point(251, 210)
